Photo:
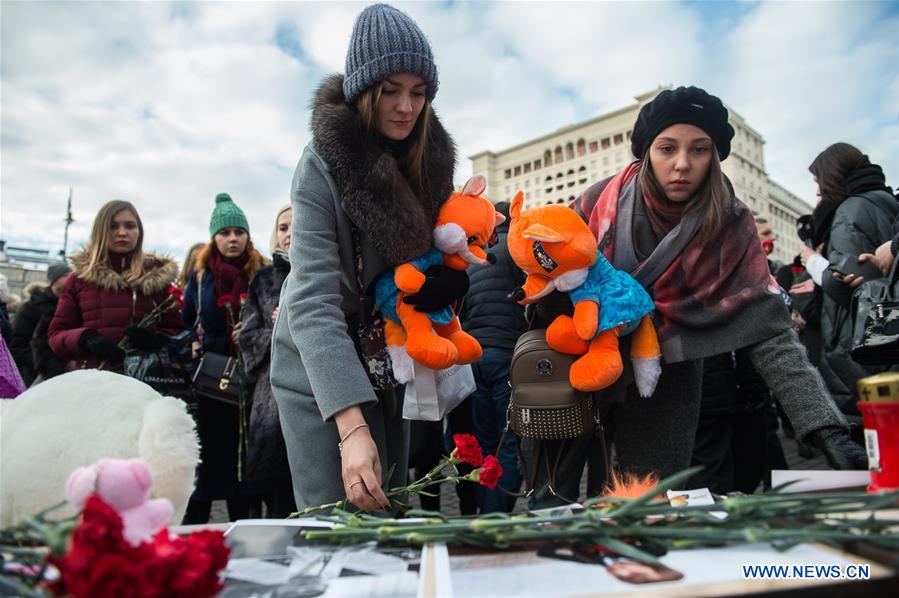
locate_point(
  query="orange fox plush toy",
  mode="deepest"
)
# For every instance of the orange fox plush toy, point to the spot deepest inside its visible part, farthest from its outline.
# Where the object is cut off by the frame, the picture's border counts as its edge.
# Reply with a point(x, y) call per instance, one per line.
point(556, 249)
point(464, 227)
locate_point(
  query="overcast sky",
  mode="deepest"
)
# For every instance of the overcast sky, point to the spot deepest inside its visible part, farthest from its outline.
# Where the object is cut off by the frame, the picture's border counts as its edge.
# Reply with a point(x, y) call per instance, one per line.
point(168, 103)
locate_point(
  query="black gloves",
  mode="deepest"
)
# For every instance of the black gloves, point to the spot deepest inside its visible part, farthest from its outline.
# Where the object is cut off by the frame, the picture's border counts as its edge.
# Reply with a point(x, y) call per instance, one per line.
point(443, 287)
point(839, 449)
point(95, 344)
point(144, 340)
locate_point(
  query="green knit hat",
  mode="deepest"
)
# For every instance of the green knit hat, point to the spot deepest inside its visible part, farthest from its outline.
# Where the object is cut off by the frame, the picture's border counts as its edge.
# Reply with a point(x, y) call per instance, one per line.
point(225, 214)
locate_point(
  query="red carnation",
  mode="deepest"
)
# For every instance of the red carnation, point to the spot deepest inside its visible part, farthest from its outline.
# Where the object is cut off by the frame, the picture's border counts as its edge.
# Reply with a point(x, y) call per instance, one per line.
point(100, 528)
point(243, 298)
point(490, 472)
point(188, 567)
point(468, 450)
point(225, 300)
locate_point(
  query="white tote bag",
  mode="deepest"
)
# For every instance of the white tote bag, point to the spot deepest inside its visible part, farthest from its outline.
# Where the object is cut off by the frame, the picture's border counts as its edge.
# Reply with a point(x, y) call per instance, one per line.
point(432, 395)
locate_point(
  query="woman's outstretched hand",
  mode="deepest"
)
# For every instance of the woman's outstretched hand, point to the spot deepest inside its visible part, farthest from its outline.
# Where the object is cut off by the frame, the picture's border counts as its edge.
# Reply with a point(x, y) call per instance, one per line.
point(361, 472)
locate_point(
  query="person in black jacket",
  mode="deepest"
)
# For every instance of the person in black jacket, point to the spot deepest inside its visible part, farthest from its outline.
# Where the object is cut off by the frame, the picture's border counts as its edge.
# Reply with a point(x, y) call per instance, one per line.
point(30, 315)
point(496, 321)
point(854, 217)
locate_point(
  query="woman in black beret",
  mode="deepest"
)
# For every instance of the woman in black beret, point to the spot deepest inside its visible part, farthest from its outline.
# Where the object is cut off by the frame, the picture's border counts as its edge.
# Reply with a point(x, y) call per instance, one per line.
point(671, 217)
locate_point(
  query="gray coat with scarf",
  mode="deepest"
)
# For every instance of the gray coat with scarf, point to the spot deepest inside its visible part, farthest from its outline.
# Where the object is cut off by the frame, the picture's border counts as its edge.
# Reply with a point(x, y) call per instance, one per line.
point(345, 179)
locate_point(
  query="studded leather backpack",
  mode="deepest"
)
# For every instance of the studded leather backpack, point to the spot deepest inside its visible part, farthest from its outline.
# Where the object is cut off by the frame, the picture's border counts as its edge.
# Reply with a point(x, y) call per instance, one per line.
point(543, 405)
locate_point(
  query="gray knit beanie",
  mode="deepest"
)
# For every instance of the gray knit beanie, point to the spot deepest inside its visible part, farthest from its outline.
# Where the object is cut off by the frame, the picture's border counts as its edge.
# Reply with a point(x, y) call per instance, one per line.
point(386, 41)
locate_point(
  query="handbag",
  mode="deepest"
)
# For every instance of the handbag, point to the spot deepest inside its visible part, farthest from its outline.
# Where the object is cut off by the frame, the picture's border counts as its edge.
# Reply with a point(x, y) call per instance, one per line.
point(875, 320)
point(370, 342)
point(433, 394)
point(543, 404)
point(167, 371)
point(216, 376)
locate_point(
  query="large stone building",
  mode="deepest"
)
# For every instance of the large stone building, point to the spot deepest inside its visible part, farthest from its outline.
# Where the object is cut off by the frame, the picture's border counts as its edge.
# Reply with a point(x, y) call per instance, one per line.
point(556, 167)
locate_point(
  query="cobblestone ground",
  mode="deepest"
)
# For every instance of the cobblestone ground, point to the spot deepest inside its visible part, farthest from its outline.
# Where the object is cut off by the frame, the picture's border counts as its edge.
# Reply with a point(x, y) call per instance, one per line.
point(450, 502)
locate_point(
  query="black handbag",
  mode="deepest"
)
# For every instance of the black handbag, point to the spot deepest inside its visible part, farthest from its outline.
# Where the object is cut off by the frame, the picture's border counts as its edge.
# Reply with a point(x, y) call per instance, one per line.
point(218, 377)
point(167, 371)
point(875, 320)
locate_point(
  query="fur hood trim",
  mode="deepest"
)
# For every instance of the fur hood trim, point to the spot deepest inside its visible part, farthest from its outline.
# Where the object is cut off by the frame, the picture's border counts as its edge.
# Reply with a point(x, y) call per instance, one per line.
point(159, 274)
point(397, 218)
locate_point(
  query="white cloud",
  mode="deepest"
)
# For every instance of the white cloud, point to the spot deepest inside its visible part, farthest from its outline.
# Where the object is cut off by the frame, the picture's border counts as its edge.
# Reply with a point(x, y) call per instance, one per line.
point(810, 74)
point(168, 104)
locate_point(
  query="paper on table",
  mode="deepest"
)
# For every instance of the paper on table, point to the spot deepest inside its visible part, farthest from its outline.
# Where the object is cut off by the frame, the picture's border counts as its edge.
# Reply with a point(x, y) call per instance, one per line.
point(519, 574)
point(812, 480)
point(401, 585)
point(258, 571)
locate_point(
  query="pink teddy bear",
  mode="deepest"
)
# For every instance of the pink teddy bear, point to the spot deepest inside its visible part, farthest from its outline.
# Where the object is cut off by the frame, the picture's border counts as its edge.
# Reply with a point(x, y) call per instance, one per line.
point(125, 486)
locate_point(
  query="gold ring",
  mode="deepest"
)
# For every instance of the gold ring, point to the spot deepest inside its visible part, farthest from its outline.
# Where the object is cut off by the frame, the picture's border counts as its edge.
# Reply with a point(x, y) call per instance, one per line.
point(357, 482)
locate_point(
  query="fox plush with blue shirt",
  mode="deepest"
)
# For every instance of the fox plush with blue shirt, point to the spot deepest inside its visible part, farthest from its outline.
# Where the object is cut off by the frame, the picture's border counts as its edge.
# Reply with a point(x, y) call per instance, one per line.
point(465, 226)
point(557, 251)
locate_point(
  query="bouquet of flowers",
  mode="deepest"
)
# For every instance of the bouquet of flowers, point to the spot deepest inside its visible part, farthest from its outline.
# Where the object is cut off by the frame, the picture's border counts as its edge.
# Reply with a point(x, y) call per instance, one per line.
point(90, 555)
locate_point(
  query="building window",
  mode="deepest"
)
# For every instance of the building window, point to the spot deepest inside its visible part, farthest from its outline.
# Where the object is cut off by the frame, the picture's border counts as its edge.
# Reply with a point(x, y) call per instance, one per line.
point(593, 147)
point(547, 158)
point(569, 151)
point(619, 139)
point(508, 174)
point(517, 170)
point(581, 147)
point(605, 143)
point(537, 164)
point(629, 135)
point(527, 167)
point(558, 154)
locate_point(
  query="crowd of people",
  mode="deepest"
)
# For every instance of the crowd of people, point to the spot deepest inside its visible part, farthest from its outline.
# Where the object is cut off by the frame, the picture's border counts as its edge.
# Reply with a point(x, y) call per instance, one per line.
point(741, 352)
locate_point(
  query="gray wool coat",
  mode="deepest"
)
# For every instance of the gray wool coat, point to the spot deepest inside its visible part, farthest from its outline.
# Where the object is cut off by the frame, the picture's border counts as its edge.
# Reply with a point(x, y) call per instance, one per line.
point(342, 181)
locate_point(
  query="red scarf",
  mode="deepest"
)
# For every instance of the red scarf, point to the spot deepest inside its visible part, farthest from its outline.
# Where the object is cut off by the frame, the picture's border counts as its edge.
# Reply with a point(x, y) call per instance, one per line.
point(229, 277)
point(717, 295)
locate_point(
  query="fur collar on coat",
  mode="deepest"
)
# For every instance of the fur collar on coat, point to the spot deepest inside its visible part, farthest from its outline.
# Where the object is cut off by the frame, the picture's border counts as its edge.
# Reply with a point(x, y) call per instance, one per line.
point(396, 218)
point(159, 274)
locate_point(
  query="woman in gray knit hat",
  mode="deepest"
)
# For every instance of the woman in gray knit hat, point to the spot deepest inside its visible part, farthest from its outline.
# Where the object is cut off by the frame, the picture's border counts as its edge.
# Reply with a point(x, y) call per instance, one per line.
point(365, 196)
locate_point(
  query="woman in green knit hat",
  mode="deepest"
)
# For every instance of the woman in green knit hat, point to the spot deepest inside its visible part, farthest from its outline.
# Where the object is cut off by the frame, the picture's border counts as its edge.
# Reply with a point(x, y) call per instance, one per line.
point(224, 267)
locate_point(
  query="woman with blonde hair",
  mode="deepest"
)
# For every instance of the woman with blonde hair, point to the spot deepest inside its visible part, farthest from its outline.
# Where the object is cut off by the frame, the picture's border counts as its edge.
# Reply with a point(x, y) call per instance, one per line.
point(188, 266)
point(267, 472)
point(223, 267)
point(365, 197)
point(113, 285)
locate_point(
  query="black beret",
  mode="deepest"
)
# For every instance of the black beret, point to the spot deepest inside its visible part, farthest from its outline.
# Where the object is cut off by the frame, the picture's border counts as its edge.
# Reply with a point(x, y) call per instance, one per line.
point(684, 105)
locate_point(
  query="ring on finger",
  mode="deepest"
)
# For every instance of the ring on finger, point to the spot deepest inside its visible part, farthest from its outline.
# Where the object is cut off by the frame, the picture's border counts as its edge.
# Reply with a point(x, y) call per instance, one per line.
point(357, 482)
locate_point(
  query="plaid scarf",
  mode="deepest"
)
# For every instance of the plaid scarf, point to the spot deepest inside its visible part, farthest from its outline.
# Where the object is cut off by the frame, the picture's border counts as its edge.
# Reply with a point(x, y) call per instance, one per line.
point(717, 295)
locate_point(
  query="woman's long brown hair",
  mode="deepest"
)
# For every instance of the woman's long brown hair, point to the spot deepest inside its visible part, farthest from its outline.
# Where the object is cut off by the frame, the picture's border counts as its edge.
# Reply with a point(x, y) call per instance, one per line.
point(97, 248)
point(412, 162)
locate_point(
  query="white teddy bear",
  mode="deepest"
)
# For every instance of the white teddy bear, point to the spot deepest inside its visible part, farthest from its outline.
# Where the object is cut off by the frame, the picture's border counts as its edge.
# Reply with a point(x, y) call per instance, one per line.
point(81, 417)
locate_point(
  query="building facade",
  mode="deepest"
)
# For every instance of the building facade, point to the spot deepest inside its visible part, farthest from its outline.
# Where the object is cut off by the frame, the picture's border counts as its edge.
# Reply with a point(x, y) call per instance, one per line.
point(556, 167)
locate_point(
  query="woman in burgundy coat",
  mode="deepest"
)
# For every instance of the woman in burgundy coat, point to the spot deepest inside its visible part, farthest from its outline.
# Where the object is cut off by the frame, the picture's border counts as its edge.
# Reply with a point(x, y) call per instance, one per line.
point(113, 285)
